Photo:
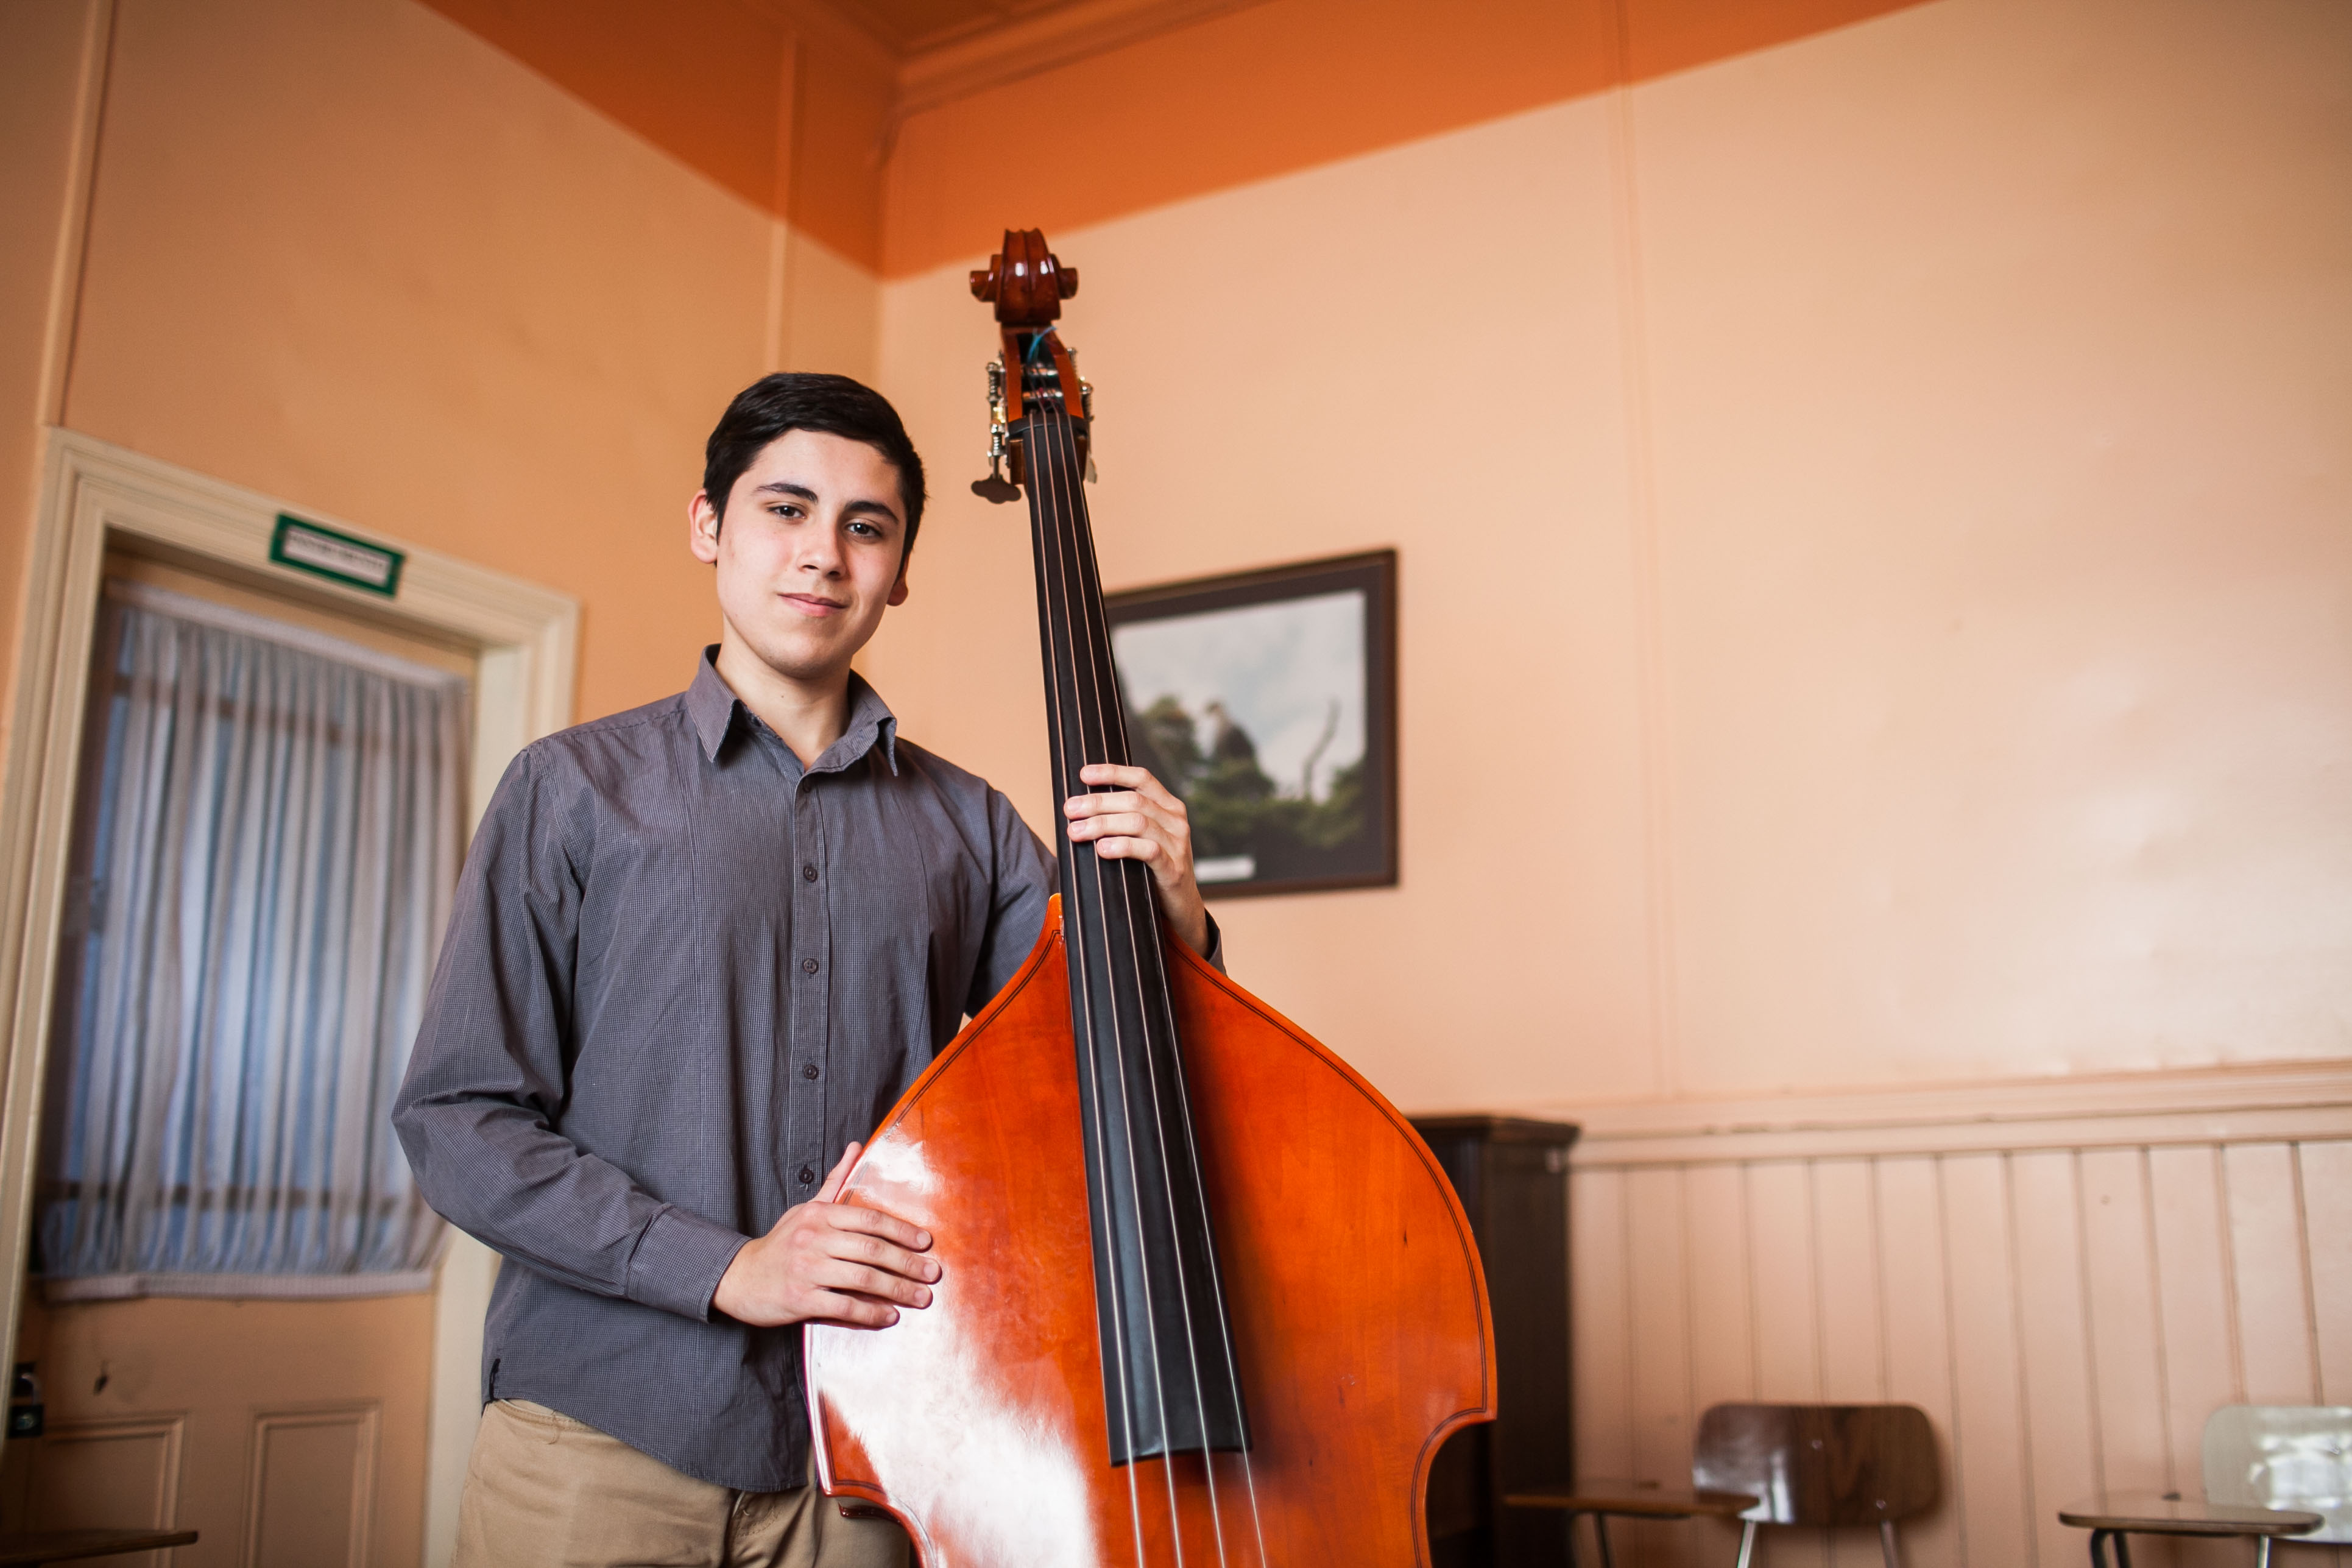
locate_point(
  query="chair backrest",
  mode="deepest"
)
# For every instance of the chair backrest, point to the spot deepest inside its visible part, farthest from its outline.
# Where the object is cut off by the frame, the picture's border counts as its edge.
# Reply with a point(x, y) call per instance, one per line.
point(2284, 1456)
point(1820, 1464)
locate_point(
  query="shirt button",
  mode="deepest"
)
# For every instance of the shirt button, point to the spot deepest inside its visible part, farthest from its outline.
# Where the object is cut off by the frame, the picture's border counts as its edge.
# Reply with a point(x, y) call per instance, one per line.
point(808, 966)
point(808, 1069)
point(808, 873)
point(808, 1174)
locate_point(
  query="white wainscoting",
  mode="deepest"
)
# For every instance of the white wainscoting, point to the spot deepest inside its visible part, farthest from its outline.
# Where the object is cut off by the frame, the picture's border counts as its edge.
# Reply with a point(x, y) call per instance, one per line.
point(2067, 1276)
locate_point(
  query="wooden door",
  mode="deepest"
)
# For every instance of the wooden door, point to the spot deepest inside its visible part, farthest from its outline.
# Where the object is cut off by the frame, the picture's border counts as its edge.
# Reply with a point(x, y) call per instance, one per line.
point(288, 1433)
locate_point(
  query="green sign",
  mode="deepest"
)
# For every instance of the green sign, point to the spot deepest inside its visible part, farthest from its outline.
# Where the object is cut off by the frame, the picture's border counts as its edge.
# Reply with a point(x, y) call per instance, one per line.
point(307, 547)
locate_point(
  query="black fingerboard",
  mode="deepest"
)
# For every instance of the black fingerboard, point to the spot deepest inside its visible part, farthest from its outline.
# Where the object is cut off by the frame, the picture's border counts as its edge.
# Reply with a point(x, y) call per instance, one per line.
point(1170, 1381)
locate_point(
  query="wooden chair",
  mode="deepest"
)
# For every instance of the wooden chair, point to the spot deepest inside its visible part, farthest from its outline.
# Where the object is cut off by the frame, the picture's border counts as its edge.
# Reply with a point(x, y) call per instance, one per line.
point(1776, 1464)
point(1820, 1464)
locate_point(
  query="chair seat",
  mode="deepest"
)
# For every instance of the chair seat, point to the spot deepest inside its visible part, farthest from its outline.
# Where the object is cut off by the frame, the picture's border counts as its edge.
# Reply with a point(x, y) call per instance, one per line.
point(1644, 1500)
point(2154, 1513)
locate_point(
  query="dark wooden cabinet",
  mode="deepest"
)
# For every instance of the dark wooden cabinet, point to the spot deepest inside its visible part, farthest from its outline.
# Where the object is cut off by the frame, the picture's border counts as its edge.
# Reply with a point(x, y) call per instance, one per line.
point(1511, 1176)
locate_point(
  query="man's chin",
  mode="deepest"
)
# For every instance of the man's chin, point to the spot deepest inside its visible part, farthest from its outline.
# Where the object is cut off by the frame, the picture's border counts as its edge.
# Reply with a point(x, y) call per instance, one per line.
point(802, 662)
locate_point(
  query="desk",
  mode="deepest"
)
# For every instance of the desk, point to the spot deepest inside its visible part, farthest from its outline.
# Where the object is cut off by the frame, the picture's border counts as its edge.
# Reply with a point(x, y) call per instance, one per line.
point(24, 1547)
point(1635, 1499)
point(2112, 1516)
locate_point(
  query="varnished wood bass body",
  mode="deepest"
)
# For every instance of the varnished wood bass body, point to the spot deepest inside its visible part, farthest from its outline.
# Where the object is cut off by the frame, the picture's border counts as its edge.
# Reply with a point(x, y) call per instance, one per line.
point(1358, 1311)
point(1206, 1298)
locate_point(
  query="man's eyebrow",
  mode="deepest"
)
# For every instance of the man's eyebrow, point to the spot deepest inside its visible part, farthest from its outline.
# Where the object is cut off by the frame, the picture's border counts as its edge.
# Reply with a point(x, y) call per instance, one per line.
point(801, 492)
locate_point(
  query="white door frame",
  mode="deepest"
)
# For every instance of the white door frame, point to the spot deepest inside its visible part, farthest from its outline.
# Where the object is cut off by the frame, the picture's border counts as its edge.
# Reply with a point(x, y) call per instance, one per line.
point(94, 495)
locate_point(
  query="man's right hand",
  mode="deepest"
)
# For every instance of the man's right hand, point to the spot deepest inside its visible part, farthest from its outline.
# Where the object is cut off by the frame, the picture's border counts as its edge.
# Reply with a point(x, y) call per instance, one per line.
point(829, 1262)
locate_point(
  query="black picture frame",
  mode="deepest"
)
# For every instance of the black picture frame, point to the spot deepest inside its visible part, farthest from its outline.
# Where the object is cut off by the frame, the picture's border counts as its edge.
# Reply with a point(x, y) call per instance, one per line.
point(1294, 839)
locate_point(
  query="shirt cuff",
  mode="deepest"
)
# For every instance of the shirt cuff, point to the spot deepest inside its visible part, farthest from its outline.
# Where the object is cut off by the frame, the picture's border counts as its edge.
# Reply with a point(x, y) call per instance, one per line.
point(1216, 953)
point(679, 1260)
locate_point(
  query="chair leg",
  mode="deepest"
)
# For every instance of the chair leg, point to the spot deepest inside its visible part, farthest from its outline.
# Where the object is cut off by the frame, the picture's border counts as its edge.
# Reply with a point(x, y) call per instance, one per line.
point(1746, 1542)
point(2123, 1551)
point(2099, 1549)
point(2262, 1552)
point(1600, 1533)
point(1886, 1543)
point(1575, 1557)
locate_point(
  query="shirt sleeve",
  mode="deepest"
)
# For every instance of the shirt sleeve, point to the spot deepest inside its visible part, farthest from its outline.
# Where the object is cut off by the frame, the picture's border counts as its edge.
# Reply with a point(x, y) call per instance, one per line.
point(1025, 880)
point(485, 1086)
point(1022, 882)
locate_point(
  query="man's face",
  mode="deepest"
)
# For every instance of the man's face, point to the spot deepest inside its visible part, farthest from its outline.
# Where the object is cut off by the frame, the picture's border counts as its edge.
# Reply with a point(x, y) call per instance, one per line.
point(810, 554)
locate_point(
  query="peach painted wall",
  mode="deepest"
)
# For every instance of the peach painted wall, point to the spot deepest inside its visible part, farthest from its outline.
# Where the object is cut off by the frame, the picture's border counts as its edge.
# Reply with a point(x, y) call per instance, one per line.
point(355, 257)
point(1877, 691)
point(40, 81)
point(1268, 88)
point(1876, 606)
point(348, 255)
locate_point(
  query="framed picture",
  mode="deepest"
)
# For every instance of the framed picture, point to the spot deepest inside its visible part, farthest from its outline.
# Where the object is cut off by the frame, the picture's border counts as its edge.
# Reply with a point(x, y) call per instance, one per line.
point(1268, 701)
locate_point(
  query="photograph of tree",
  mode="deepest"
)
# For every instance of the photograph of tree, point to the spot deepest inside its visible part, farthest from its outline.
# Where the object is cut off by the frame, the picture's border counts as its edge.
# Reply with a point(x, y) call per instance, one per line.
point(1268, 702)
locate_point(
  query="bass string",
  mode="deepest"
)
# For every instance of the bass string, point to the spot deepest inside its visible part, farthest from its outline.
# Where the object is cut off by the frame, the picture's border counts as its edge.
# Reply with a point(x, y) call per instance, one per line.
point(1191, 1157)
point(1054, 495)
point(1086, 671)
point(1110, 710)
point(1112, 714)
point(1055, 627)
point(1050, 506)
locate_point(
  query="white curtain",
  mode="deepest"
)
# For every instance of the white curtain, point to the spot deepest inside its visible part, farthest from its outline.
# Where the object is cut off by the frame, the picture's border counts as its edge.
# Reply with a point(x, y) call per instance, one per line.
point(266, 842)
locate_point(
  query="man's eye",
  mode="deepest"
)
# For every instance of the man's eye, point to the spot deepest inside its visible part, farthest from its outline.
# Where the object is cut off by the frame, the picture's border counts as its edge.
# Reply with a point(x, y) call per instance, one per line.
point(867, 529)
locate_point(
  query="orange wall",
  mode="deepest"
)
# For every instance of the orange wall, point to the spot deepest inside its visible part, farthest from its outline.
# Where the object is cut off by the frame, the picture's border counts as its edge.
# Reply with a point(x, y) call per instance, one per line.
point(40, 71)
point(1875, 601)
point(792, 119)
point(708, 81)
point(1268, 88)
point(1875, 583)
point(351, 256)
point(1282, 86)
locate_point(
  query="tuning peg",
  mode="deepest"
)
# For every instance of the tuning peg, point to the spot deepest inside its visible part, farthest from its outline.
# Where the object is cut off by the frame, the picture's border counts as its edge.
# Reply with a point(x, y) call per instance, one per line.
point(996, 487)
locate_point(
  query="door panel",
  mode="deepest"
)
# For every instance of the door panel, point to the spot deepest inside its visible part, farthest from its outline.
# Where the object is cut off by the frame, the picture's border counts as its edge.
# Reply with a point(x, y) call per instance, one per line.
point(88, 1475)
point(313, 1473)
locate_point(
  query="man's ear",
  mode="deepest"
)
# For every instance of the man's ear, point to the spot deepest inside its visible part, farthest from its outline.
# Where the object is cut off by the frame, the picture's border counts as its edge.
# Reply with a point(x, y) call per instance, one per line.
point(899, 589)
point(702, 528)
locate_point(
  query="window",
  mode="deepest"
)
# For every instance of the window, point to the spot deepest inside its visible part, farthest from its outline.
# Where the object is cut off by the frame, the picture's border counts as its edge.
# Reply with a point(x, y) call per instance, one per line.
point(266, 841)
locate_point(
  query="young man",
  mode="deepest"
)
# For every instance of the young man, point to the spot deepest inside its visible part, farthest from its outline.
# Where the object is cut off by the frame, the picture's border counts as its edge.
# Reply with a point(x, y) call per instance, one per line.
point(697, 948)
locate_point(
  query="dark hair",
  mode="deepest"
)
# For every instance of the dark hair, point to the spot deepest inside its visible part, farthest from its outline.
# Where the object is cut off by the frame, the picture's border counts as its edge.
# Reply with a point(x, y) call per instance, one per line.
point(830, 405)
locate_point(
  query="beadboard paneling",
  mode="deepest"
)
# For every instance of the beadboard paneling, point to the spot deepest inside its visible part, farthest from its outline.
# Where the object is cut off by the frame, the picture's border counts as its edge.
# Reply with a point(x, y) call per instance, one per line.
point(2068, 1287)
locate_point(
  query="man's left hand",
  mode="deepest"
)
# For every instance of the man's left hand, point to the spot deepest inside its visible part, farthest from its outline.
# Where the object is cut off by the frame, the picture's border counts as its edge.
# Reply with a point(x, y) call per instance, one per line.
point(1141, 820)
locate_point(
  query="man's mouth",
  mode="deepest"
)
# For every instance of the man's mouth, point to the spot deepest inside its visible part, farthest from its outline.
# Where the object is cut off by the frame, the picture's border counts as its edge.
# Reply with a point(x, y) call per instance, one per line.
point(810, 604)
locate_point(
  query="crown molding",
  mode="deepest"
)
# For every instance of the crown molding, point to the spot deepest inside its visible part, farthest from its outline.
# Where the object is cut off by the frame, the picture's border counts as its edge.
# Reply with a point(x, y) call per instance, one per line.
point(1032, 44)
point(979, 55)
point(825, 22)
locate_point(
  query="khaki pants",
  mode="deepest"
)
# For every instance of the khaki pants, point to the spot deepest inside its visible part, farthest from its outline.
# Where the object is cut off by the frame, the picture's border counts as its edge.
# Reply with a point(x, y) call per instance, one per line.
point(544, 1490)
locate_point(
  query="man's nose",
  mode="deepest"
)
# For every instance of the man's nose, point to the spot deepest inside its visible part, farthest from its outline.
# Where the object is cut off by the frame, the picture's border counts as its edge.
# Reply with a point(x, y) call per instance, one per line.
point(821, 554)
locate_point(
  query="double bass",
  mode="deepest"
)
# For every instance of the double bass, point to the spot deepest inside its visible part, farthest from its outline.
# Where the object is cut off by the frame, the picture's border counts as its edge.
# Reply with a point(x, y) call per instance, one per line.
point(1205, 1297)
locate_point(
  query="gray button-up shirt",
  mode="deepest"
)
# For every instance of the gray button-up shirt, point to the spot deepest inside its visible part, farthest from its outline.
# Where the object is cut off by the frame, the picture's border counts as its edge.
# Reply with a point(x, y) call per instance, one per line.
point(681, 974)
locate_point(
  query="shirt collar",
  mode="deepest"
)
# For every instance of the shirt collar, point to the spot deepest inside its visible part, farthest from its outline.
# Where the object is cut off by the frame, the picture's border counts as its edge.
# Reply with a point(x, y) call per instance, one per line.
point(712, 706)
